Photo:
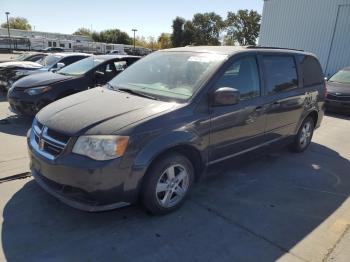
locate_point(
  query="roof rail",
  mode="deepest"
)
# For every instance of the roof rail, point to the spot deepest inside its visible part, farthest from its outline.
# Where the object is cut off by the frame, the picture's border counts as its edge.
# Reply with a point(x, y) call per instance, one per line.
point(271, 47)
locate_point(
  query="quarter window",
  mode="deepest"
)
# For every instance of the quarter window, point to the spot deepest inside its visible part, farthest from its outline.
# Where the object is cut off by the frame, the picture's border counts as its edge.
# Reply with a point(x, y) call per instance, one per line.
point(242, 75)
point(280, 73)
point(312, 71)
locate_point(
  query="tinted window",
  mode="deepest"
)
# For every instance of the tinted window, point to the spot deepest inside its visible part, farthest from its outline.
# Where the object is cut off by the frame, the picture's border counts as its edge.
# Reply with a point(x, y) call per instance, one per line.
point(71, 59)
point(280, 73)
point(242, 75)
point(312, 71)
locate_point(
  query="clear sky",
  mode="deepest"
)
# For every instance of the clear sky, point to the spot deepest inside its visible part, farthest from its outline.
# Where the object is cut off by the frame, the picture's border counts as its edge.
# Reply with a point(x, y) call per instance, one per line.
point(151, 17)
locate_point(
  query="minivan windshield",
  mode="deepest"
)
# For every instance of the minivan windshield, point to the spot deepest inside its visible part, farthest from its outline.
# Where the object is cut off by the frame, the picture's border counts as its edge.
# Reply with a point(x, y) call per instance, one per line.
point(342, 76)
point(81, 67)
point(169, 75)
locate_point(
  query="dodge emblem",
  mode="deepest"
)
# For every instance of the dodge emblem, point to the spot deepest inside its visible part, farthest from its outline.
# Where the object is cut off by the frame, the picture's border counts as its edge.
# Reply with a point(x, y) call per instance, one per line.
point(41, 143)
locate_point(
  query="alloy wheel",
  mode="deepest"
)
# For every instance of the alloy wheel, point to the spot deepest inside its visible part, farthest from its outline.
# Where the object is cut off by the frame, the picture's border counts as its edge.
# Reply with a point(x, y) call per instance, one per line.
point(305, 135)
point(172, 185)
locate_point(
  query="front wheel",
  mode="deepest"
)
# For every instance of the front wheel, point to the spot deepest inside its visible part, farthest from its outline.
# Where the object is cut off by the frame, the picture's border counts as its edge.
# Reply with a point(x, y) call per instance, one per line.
point(167, 184)
point(304, 135)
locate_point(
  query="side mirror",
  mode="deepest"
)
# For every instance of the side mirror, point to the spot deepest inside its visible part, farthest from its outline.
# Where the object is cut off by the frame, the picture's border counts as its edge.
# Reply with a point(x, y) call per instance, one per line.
point(60, 65)
point(225, 96)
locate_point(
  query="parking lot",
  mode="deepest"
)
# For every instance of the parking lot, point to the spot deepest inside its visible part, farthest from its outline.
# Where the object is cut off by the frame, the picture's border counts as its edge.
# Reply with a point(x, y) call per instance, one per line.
point(263, 207)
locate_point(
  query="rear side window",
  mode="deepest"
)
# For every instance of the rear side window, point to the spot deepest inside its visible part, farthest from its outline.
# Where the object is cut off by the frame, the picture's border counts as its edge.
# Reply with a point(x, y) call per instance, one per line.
point(280, 73)
point(242, 75)
point(312, 71)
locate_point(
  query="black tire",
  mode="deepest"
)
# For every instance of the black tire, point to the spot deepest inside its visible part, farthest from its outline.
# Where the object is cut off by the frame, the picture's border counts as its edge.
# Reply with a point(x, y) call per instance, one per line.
point(298, 146)
point(150, 197)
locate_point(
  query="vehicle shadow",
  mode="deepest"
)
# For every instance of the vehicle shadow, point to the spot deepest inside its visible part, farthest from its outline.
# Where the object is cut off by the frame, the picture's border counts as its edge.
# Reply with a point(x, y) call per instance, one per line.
point(254, 209)
point(338, 114)
point(15, 125)
point(2, 96)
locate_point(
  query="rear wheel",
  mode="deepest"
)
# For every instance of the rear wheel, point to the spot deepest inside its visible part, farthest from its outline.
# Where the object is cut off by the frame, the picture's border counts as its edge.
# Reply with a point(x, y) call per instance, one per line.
point(304, 136)
point(167, 184)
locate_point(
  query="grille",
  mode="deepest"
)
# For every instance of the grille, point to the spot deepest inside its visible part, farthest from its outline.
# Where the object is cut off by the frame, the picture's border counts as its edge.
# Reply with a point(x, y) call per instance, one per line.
point(20, 89)
point(333, 96)
point(48, 142)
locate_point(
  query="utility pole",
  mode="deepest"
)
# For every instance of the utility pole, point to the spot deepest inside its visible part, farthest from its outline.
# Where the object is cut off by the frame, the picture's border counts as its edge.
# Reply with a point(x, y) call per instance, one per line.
point(8, 29)
point(134, 30)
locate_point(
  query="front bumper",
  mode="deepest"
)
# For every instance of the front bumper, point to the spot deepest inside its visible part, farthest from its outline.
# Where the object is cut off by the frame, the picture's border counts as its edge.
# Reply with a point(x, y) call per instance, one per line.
point(22, 107)
point(23, 104)
point(81, 182)
point(337, 105)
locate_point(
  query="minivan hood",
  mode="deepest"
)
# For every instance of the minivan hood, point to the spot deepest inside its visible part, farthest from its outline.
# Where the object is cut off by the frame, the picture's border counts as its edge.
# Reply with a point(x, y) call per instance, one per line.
point(334, 87)
point(99, 111)
point(45, 78)
point(21, 64)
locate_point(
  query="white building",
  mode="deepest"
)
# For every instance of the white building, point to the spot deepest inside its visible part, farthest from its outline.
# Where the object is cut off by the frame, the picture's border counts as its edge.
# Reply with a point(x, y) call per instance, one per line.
point(39, 34)
point(318, 26)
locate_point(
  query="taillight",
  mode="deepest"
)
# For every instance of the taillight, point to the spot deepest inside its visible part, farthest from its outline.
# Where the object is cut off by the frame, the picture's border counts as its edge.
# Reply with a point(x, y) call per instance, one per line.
point(325, 89)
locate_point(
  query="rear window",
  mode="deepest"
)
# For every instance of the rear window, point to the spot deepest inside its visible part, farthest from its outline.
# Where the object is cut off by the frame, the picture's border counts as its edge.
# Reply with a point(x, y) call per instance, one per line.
point(280, 73)
point(312, 71)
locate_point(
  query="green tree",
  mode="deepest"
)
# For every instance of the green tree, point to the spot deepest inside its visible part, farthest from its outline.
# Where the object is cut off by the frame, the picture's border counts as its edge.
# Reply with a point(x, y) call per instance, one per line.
point(114, 36)
point(188, 34)
point(164, 41)
point(83, 31)
point(242, 27)
point(18, 23)
point(178, 30)
point(207, 28)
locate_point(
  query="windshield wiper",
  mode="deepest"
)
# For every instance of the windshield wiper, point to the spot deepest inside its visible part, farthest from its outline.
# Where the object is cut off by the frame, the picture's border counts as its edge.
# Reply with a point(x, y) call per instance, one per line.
point(134, 92)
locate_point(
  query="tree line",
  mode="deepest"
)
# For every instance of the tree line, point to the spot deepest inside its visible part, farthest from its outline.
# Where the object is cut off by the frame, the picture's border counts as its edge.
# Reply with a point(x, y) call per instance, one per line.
point(240, 28)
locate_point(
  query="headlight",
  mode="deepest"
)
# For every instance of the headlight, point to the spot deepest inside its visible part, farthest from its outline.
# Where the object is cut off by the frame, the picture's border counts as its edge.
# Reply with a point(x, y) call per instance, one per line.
point(37, 90)
point(101, 147)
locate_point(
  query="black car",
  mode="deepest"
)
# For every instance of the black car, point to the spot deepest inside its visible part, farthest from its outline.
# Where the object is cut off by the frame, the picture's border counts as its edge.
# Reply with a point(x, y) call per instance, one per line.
point(338, 91)
point(155, 128)
point(29, 94)
point(52, 62)
point(21, 61)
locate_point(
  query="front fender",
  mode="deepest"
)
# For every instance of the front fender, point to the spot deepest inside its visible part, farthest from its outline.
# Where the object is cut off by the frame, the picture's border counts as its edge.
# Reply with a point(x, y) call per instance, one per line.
point(164, 142)
point(154, 148)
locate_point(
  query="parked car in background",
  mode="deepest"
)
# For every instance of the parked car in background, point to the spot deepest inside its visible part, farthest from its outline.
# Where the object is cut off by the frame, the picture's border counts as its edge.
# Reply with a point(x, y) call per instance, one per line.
point(115, 52)
point(53, 49)
point(338, 91)
point(29, 94)
point(162, 121)
point(51, 62)
point(27, 56)
point(23, 60)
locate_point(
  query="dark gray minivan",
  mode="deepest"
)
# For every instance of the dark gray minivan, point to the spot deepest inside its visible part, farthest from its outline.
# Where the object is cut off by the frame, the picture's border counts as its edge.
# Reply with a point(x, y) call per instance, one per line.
point(153, 130)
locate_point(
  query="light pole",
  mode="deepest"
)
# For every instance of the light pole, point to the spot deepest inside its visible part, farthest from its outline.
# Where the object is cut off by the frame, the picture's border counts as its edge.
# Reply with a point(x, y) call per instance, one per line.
point(134, 30)
point(8, 29)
